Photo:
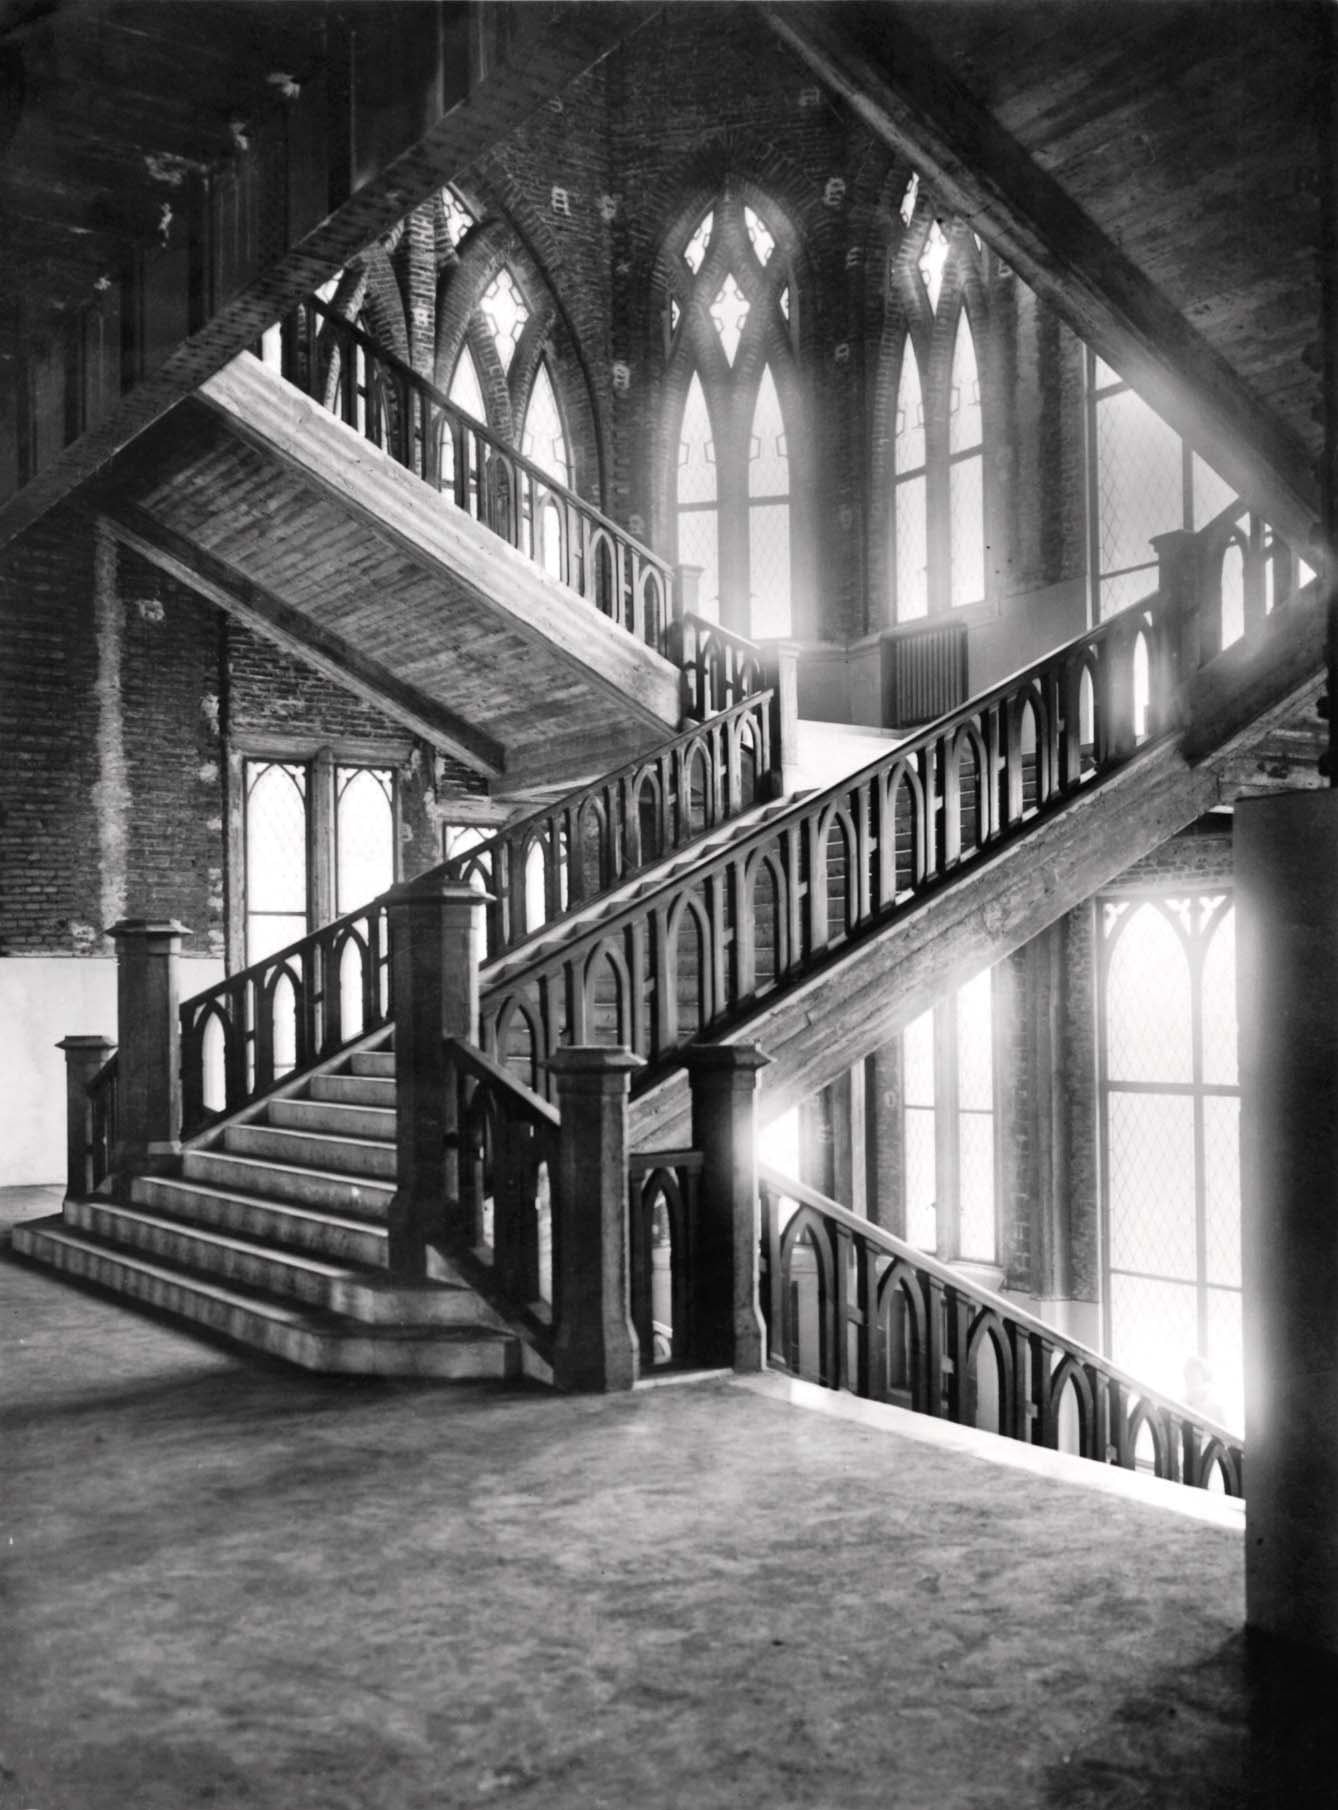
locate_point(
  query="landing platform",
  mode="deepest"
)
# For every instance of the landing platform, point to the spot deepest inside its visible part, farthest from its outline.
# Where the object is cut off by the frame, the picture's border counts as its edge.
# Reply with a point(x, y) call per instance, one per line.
point(240, 1585)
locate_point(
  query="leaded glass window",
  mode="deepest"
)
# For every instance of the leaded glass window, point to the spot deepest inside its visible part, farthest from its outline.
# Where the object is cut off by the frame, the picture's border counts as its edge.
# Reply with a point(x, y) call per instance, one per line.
point(459, 221)
point(364, 835)
point(911, 525)
point(466, 392)
point(1170, 1126)
point(276, 857)
point(728, 307)
point(542, 438)
point(698, 530)
point(966, 492)
point(948, 1125)
point(769, 514)
point(504, 309)
point(933, 261)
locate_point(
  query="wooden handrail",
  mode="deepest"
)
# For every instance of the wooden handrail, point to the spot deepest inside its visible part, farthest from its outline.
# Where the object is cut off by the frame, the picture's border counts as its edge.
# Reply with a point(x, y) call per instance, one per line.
point(523, 1103)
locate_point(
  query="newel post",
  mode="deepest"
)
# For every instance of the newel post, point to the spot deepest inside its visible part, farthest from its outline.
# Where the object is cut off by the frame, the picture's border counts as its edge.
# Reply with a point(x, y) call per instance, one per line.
point(435, 988)
point(687, 590)
point(1180, 582)
point(726, 1312)
point(84, 1057)
point(782, 675)
point(148, 1001)
point(595, 1342)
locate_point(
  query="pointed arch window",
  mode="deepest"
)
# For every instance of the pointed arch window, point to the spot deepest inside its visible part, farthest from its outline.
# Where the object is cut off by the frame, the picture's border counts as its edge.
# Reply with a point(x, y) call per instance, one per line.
point(466, 392)
point(966, 468)
point(910, 498)
point(542, 438)
point(937, 557)
point(504, 309)
point(728, 325)
point(697, 497)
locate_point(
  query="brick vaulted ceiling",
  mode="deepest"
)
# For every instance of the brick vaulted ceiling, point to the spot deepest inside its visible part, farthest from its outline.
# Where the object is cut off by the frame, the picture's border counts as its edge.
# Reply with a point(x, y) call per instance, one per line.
point(1153, 166)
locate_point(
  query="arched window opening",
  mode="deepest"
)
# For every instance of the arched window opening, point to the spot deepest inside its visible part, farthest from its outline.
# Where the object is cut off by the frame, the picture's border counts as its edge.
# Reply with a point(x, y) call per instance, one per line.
point(966, 493)
point(542, 439)
point(698, 517)
point(466, 392)
point(364, 835)
point(948, 1125)
point(912, 600)
point(769, 515)
point(728, 307)
point(504, 309)
point(276, 857)
point(1170, 1113)
point(460, 222)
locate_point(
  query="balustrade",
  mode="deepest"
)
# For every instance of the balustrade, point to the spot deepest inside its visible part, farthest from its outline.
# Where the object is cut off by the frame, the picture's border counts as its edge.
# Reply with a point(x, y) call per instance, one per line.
point(92, 1102)
point(720, 668)
point(386, 401)
point(849, 1306)
point(558, 859)
point(703, 946)
point(663, 1194)
point(283, 1014)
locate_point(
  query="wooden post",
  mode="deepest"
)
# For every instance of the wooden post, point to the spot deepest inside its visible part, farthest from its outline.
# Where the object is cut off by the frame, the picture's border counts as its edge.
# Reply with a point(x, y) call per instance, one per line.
point(687, 590)
point(595, 1343)
point(148, 997)
point(435, 986)
point(1180, 582)
point(782, 675)
point(726, 1313)
point(84, 1056)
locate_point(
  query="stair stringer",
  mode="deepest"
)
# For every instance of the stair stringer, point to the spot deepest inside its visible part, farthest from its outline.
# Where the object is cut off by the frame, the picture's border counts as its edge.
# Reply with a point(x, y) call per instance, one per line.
point(852, 1001)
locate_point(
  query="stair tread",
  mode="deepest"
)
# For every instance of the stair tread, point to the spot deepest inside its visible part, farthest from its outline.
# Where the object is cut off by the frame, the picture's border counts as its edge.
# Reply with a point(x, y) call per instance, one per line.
point(217, 1153)
point(341, 1221)
point(312, 1319)
point(229, 1241)
point(297, 1131)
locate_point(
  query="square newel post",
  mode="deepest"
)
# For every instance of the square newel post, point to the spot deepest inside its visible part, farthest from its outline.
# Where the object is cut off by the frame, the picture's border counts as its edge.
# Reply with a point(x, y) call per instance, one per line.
point(1180, 582)
point(782, 675)
point(595, 1342)
point(727, 1316)
point(148, 1001)
point(84, 1058)
point(687, 590)
point(435, 988)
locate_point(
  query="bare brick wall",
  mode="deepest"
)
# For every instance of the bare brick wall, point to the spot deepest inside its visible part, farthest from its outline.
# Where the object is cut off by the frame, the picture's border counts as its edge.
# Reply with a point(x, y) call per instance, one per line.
point(49, 866)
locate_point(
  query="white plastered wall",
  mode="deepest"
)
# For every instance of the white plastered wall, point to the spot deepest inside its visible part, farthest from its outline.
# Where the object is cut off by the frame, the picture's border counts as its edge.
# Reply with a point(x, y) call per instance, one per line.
point(42, 999)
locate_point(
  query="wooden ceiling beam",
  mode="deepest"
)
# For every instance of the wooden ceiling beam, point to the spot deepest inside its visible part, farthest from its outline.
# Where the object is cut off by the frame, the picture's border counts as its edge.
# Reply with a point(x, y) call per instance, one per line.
point(890, 78)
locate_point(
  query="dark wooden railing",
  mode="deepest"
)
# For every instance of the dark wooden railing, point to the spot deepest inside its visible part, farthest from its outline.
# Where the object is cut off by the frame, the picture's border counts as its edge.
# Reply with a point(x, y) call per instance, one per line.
point(698, 949)
point(560, 858)
point(281, 1015)
point(104, 1109)
point(849, 1306)
point(507, 1139)
point(380, 396)
point(662, 1215)
point(720, 668)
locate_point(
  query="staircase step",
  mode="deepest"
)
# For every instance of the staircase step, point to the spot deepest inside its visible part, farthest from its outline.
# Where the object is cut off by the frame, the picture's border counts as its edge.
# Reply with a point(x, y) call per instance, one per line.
point(323, 1234)
point(335, 1117)
point(310, 1338)
point(313, 1150)
point(319, 1189)
point(352, 1090)
point(380, 1063)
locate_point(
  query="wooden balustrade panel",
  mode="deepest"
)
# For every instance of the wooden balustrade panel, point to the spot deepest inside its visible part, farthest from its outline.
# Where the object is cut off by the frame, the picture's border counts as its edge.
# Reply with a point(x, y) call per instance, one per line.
point(104, 1100)
point(399, 411)
point(849, 1306)
point(662, 1217)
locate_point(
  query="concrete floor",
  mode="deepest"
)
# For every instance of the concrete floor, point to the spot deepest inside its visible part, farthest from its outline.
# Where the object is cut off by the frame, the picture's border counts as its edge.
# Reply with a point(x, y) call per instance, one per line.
point(226, 1584)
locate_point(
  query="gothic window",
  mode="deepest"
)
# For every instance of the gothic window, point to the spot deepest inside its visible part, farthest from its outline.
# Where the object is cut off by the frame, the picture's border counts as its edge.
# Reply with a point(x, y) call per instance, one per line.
point(936, 560)
point(542, 439)
point(504, 310)
point(319, 840)
point(1170, 1122)
point(466, 392)
point(728, 334)
point(948, 1126)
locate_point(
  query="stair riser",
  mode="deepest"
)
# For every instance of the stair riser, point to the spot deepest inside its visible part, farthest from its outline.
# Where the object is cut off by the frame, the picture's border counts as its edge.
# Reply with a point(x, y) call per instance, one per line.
point(360, 1200)
point(353, 1090)
point(489, 1359)
point(380, 1063)
point(261, 1223)
point(274, 1145)
point(184, 1251)
point(378, 1305)
point(316, 1117)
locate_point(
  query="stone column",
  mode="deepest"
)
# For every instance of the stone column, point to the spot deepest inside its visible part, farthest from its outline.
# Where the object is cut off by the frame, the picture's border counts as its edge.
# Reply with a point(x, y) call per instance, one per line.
point(435, 987)
point(595, 1342)
point(726, 1313)
point(84, 1057)
point(782, 670)
point(1287, 988)
point(148, 999)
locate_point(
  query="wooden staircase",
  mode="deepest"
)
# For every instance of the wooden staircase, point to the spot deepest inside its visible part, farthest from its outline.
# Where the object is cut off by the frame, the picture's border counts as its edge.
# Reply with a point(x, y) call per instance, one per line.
point(275, 1235)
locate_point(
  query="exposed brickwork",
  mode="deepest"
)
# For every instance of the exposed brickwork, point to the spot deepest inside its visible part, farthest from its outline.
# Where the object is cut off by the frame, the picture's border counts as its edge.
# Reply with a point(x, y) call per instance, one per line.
point(49, 880)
